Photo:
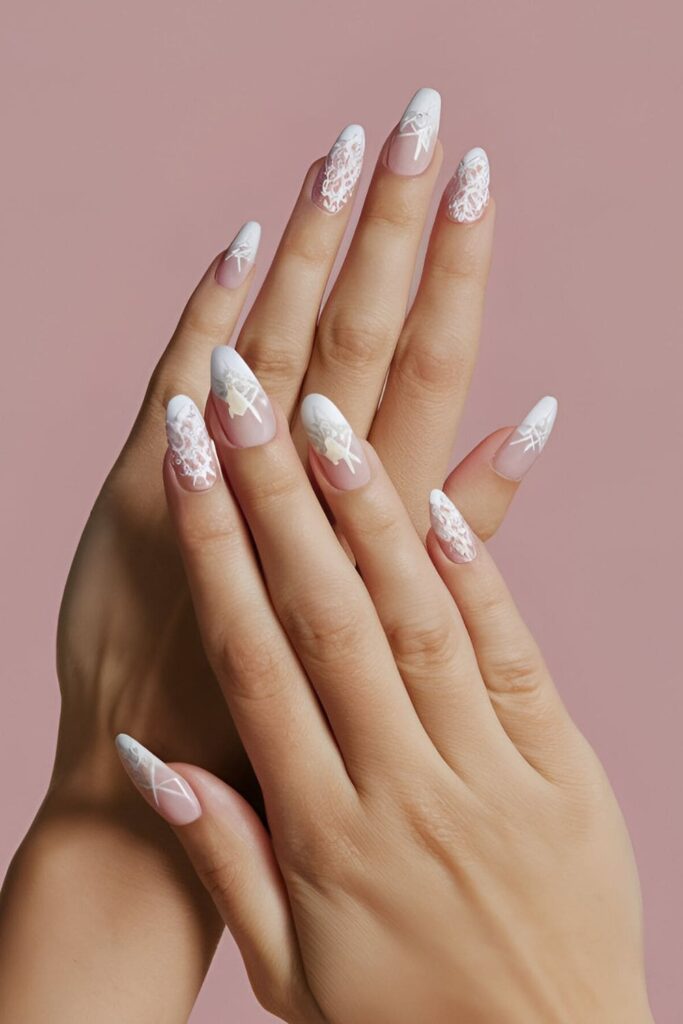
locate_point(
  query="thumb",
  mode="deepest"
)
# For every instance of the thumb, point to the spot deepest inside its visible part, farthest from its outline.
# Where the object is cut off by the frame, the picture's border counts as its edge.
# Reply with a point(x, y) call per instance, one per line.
point(232, 854)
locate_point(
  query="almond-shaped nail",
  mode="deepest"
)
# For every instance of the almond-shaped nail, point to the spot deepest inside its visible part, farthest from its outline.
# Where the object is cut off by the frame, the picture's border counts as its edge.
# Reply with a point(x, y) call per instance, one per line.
point(162, 788)
point(192, 454)
point(342, 459)
point(239, 256)
point(526, 442)
point(467, 193)
point(242, 405)
point(412, 145)
point(337, 178)
point(454, 535)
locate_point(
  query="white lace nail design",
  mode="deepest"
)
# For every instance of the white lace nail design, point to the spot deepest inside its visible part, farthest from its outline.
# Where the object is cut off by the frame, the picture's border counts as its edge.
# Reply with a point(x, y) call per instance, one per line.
point(233, 382)
point(421, 120)
point(150, 773)
point(244, 246)
point(342, 169)
point(189, 442)
point(450, 527)
point(328, 431)
point(535, 428)
point(468, 191)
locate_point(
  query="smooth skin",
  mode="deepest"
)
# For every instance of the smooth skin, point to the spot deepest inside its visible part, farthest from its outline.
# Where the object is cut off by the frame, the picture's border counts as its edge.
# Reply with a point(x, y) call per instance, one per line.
point(129, 655)
point(443, 843)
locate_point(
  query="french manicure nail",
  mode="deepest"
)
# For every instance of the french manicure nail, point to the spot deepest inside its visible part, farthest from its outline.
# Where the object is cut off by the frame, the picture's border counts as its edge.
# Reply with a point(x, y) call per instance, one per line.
point(192, 453)
point(412, 145)
point(467, 193)
point(519, 452)
point(239, 256)
point(337, 179)
point(242, 405)
point(161, 787)
point(343, 459)
point(454, 535)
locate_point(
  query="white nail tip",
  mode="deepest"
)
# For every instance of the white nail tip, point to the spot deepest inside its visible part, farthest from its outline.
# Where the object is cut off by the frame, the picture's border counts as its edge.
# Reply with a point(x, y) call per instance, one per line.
point(450, 527)
point(234, 383)
point(536, 427)
point(468, 190)
point(341, 170)
point(328, 431)
point(150, 774)
point(244, 245)
point(421, 119)
point(189, 442)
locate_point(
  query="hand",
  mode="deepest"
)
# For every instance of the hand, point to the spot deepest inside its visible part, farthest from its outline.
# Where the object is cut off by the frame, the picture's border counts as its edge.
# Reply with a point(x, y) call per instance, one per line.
point(445, 845)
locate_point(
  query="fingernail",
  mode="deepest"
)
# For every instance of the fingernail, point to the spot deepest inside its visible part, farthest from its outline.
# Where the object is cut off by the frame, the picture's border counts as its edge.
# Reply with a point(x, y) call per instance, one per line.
point(239, 256)
point(412, 145)
point(338, 176)
point(518, 454)
point(467, 193)
point(343, 459)
point(242, 405)
point(454, 535)
point(161, 787)
point(192, 453)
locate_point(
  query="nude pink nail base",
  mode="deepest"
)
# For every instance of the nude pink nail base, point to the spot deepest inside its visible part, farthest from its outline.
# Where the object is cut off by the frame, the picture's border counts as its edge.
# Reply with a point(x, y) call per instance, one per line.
point(342, 459)
point(239, 257)
point(517, 454)
point(454, 535)
point(162, 788)
point(337, 179)
point(412, 145)
point(192, 454)
point(243, 407)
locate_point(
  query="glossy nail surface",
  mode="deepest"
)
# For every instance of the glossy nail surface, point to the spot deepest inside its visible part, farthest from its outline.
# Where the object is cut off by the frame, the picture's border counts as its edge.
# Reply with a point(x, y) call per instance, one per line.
point(161, 787)
point(454, 535)
point(239, 256)
point(342, 457)
point(518, 453)
point(467, 193)
point(412, 145)
point(338, 176)
point(191, 450)
point(243, 407)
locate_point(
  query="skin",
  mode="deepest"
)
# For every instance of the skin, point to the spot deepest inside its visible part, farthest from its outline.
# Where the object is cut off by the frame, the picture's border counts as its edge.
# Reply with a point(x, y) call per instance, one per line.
point(439, 830)
point(129, 654)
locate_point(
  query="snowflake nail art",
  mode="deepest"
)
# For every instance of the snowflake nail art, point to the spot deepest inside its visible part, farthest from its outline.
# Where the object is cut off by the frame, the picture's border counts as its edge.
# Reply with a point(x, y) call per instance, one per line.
point(191, 449)
point(455, 536)
point(338, 176)
point(468, 190)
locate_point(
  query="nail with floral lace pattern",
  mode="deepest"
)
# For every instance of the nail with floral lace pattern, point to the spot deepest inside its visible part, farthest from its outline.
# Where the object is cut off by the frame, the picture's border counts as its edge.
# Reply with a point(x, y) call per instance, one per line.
point(337, 177)
point(467, 193)
point(162, 787)
point(412, 144)
point(342, 458)
point(517, 454)
point(454, 535)
point(191, 449)
point(240, 255)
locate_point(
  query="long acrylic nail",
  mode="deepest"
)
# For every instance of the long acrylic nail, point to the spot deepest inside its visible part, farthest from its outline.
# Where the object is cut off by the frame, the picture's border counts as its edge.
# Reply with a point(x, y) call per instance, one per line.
point(343, 459)
point(454, 535)
point(337, 179)
point(161, 787)
point(412, 145)
point(526, 442)
point(467, 193)
point(239, 256)
point(242, 405)
point(192, 453)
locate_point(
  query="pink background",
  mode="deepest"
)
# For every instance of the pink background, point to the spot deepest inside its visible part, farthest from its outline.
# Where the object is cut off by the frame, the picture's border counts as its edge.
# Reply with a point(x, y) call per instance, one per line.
point(140, 135)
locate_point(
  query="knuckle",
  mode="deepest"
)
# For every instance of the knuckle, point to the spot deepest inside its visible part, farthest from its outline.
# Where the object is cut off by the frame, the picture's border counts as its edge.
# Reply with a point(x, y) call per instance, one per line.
point(222, 880)
point(254, 665)
point(270, 491)
point(435, 369)
point(277, 363)
point(211, 531)
point(394, 214)
point(324, 633)
point(354, 345)
point(465, 267)
point(517, 674)
point(434, 642)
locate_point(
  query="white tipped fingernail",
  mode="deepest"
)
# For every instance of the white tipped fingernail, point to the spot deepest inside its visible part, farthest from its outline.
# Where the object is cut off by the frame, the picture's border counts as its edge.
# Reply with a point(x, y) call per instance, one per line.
point(337, 179)
point(240, 256)
point(192, 453)
point(412, 145)
point(163, 789)
point(342, 457)
point(526, 442)
point(454, 535)
point(467, 193)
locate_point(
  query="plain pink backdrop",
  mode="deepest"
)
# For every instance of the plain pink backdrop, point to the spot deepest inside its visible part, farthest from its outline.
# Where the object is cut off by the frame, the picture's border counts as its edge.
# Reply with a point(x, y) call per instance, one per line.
point(140, 135)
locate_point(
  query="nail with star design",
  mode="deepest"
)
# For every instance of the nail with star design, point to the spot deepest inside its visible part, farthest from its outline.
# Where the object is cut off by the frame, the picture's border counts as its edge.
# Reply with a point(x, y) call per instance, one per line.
point(191, 451)
point(239, 257)
point(162, 787)
point(341, 455)
point(412, 145)
point(518, 453)
point(243, 408)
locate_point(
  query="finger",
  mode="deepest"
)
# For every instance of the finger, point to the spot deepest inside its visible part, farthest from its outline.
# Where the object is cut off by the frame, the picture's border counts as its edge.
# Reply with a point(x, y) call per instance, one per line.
point(427, 636)
point(233, 856)
point(273, 707)
point(431, 370)
point(277, 335)
point(363, 317)
point(519, 684)
point(478, 487)
point(318, 596)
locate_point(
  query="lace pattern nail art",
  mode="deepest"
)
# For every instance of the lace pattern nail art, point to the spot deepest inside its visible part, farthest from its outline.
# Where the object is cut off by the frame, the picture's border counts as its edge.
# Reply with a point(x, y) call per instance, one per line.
point(451, 528)
point(329, 432)
point(421, 123)
point(149, 773)
point(342, 170)
point(469, 188)
point(191, 450)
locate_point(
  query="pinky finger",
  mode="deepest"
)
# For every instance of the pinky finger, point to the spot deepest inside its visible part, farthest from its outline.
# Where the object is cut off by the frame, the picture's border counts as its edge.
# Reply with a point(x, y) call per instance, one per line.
point(231, 852)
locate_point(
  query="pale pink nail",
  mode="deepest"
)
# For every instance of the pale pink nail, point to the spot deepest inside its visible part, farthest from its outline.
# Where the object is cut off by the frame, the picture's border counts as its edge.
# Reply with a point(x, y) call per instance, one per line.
point(337, 178)
point(526, 442)
point(239, 256)
point(454, 535)
point(412, 145)
point(342, 460)
point(243, 407)
point(192, 454)
point(161, 787)
point(467, 193)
